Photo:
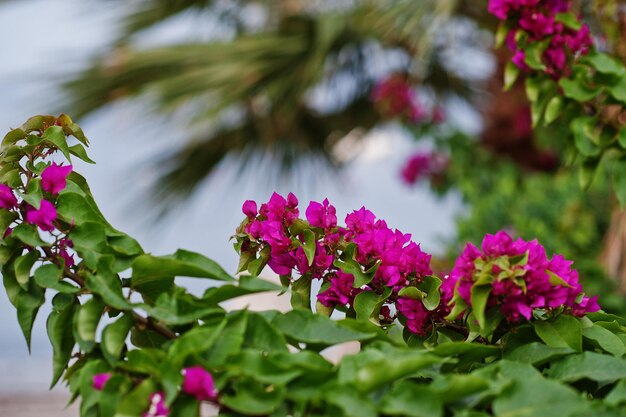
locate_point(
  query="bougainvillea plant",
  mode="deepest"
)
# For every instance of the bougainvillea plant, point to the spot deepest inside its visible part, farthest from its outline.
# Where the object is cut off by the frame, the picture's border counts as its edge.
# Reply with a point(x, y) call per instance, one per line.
point(508, 332)
point(569, 81)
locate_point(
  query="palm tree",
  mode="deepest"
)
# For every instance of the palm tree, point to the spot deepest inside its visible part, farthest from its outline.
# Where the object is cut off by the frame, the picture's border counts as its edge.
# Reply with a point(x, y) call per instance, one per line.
point(258, 88)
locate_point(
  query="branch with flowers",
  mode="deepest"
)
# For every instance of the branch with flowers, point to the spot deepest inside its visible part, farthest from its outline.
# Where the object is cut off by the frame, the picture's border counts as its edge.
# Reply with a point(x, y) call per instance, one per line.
point(509, 331)
point(569, 82)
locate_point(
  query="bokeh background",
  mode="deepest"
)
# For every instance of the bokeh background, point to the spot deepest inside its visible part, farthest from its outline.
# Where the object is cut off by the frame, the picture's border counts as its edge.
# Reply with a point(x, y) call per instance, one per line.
point(192, 107)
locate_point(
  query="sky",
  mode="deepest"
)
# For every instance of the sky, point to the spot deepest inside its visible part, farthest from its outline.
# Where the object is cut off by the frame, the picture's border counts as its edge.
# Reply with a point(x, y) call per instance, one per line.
point(41, 41)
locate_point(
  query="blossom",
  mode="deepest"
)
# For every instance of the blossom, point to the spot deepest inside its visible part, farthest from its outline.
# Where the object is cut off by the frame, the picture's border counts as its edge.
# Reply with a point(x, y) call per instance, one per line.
point(416, 167)
point(280, 209)
point(199, 383)
point(521, 276)
point(7, 198)
point(42, 217)
point(417, 317)
point(340, 292)
point(249, 209)
point(321, 215)
point(395, 97)
point(54, 178)
point(157, 406)
point(99, 380)
point(64, 254)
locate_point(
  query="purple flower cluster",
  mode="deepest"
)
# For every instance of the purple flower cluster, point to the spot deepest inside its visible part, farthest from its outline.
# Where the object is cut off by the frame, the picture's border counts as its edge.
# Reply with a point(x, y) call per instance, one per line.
point(423, 165)
point(538, 21)
point(395, 97)
point(53, 181)
point(197, 382)
point(392, 259)
point(521, 276)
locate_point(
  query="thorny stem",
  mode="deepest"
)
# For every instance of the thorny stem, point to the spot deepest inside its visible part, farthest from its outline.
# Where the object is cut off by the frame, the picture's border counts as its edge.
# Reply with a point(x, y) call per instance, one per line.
point(141, 321)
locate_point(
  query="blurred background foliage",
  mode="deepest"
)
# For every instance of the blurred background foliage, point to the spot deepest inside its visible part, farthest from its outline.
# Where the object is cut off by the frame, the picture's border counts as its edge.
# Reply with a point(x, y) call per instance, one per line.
point(286, 82)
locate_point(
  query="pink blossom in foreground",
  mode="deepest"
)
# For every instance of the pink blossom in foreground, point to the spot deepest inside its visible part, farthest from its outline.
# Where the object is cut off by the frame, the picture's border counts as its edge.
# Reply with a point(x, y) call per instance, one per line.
point(199, 383)
point(54, 178)
point(539, 283)
point(157, 406)
point(7, 198)
point(100, 380)
point(42, 217)
point(417, 317)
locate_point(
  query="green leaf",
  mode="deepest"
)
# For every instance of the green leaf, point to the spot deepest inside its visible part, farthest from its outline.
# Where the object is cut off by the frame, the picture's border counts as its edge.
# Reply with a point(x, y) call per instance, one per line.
point(79, 151)
point(619, 181)
point(605, 64)
point(182, 263)
point(114, 338)
point(350, 266)
point(367, 304)
point(108, 286)
point(569, 20)
point(56, 136)
point(589, 365)
point(605, 339)
point(23, 265)
point(479, 297)
point(112, 394)
point(553, 109)
point(252, 398)
point(34, 194)
point(6, 219)
point(409, 399)
point(537, 354)
point(585, 134)
point(309, 245)
point(511, 72)
point(86, 322)
point(231, 339)
point(246, 285)
point(577, 89)
point(59, 327)
point(351, 403)
point(50, 275)
point(185, 406)
point(301, 293)
point(534, 53)
point(618, 90)
point(430, 285)
point(462, 348)
point(197, 340)
point(29, 235)
point(561, 332)
point(136, 403)
point(617, 396)
point(531, 395)
point(28, 303)
point(261, 334)
point(180, 307)
point(452, 388)
point(391, 368)
point(557, 280)
point(262, 368)
point(304, 326)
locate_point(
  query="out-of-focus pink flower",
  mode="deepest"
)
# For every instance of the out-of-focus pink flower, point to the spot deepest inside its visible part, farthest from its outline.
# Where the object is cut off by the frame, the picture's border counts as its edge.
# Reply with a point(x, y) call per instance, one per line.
point(100, 380)
point(199, 383)
point(157, 406)
point(7, 198)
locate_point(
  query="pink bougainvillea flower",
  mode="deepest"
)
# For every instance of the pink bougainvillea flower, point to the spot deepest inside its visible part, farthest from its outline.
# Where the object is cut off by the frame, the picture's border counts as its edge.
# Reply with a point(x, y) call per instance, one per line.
point(340, 292)
point(42, 217)
point(54, 178)
point(534, 285)
point(63, 253)
point(157, 406)
point(321, 215)
point(100, 380)
point(7, 198)
point(199, 383)
point(416, 168)
point(249, 209)
point(417, 317)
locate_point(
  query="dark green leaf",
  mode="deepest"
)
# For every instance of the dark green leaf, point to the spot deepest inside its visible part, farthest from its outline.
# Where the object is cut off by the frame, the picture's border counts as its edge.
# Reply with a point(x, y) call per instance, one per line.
point(367, 304)
point(309, 245)
point(605, 339)
point(79, 151)
point(114, 338)
point(569, 20)
point(137, 402)
point(23, 265)
point(511, 72)
point(561, 332)
point(576, 89)
point(29, 235)
point(605, 63)
point(619, 181)
point(50, 275)
point(182, 263)
point(28, 303)
point(195, 341)
point(59, 327)
point(307, 327)
point(430, 285)
point(480, 295)
point(589, 365)
point(617, 396)
point(537, 354)
point(56, 136)
point(252, 398)
point(350, 402)
point(86, 322)
point(409, 399)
